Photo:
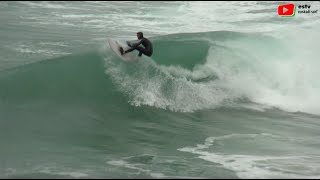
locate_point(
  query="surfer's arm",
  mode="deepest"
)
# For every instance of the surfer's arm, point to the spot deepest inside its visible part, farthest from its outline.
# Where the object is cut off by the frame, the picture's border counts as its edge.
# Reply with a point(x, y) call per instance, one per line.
point(129, 43)
point(136, 44)
point(133, 46)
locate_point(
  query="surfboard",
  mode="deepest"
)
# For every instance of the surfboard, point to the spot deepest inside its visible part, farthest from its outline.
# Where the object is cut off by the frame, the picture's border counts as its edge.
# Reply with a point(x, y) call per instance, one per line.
point(115, 45)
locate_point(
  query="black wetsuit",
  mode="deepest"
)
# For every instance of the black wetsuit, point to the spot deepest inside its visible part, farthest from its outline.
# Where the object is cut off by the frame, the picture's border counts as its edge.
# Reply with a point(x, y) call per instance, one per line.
point(146, 51)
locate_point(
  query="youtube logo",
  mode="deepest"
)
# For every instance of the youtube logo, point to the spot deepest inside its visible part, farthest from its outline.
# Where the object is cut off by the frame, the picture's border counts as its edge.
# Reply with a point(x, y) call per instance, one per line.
point(286, 10)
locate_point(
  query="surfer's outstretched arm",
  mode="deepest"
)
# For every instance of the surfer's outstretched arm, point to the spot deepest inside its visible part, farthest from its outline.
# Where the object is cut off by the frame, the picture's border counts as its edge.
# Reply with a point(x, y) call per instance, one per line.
point(133, 47)
point(137, 44)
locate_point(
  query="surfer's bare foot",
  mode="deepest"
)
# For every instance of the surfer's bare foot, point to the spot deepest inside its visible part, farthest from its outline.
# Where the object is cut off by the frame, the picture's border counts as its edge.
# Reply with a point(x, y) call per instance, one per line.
point(121, 51)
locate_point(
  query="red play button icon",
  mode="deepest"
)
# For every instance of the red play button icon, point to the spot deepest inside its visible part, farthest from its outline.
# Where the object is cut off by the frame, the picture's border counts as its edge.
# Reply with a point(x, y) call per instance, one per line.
point(286, 10)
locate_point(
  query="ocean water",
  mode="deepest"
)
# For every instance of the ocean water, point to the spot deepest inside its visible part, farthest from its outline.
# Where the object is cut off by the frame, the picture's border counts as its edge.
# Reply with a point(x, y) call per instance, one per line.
point(231, 91)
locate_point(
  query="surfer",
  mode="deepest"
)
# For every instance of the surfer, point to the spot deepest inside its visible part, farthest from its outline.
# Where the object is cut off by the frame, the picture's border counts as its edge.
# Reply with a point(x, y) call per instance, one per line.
point(147, 50)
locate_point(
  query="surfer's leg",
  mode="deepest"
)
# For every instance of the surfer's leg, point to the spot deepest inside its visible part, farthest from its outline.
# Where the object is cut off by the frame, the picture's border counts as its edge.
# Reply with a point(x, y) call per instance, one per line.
point(139, 48)
point(141, 51)
point(121, 50)
point(129, 50)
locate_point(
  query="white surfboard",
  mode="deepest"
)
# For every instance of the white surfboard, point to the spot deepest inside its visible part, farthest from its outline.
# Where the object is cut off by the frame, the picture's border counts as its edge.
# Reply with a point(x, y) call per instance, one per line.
point(115, 46)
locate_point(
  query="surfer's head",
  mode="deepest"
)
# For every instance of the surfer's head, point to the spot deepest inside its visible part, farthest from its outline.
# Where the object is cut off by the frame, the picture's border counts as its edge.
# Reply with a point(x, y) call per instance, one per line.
point(139, 35)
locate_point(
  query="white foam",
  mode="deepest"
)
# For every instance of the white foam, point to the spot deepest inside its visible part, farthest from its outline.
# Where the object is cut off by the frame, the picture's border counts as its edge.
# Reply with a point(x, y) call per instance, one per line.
point(249, 71)
point(77, 15)
point(55, 170)
point(125, 164)
point(190, 17)
point(54, 44)
point(145, 89)
point(265, 76)
point(25, 49)
point(167, 18)
point(49, 5)
point(73, 174)
point(122, 163)
point(40, 51)
point(254, 166)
